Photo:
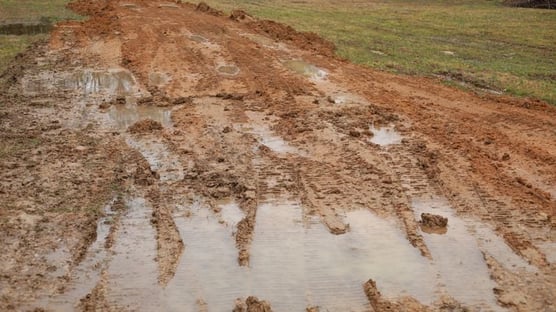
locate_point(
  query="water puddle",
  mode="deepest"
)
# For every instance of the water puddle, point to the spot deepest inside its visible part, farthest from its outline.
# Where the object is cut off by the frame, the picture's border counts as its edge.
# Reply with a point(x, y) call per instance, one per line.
point(306, 69)
point(385, 136)
point(549, 249)
point(458, 258)
point(198, 38)
point(129, 5)
point(87, 274)
point(269, 139)
point(293, 264)
point(19, 29)
point(208, 270)
point(160, 159)
point(231, 213)
point(111, 82)
point(228, 70)
point(262, 40)
point(296, 265)
point(133, 271)
point(123, 116)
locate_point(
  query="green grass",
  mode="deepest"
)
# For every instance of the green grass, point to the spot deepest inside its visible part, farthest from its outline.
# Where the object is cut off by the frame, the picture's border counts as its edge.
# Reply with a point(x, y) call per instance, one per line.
point(27, 11)
point(494, 46)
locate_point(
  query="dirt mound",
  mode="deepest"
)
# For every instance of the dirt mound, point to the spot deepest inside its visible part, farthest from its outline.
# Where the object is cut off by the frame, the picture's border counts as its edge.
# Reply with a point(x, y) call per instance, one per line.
point(145, 126)
point(304, 40)
point(252, 304)
point(241, 16)
point(433, 221)
point(205, 8)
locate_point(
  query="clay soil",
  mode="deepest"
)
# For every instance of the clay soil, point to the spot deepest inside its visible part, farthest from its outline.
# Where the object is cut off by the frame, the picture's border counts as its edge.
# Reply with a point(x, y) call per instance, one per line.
point(64, 168)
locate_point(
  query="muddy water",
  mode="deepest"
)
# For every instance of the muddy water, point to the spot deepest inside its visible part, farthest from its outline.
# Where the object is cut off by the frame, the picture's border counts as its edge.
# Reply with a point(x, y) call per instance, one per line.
point(160, 158)
point(198, 38)
point(258, 127)
point(87, 274)
point(459, 259)
point(294, 264)
point(108, 83)
point(133, 272)
point(123, 116)
point(228, 70)
point(385, 136)
point(305, 69)
point(114, 82)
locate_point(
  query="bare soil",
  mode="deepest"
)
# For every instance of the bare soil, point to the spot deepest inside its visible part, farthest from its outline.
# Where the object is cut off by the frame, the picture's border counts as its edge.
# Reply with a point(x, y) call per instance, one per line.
point(125, 125)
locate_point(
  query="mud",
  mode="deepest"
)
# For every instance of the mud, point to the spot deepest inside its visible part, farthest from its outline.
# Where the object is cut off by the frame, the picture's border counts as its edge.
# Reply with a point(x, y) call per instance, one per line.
point(165, 156)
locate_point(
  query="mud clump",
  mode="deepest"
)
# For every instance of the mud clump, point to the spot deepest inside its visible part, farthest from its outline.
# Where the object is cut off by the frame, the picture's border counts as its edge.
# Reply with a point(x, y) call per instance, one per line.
point(252, 304)
point(433, 221)
point(203, 7)
point(145, 126)
point(304, 40)
point(241, 16)
point(380, 304)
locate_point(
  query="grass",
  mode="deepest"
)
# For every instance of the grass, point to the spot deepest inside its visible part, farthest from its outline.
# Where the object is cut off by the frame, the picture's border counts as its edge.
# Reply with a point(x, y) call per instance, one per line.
point(27, 11)
point(480, 42)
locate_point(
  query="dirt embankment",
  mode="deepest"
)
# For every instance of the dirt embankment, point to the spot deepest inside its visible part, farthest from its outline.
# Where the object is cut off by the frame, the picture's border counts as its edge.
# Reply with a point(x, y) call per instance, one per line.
point(167, 138)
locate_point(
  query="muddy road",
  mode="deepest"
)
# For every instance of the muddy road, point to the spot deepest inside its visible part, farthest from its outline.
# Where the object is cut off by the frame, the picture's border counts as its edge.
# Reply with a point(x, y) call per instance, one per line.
point(167, 157)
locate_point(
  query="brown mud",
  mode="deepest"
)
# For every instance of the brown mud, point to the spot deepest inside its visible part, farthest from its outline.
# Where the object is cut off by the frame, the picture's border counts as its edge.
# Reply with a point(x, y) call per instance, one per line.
point(163, 155)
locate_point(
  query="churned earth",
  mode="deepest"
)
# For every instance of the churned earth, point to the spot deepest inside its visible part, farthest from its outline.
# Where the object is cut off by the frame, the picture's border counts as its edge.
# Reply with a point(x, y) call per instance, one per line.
point(162, 156)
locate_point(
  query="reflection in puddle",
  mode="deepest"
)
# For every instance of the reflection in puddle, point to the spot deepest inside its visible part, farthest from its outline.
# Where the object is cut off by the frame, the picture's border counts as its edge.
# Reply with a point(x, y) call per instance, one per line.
point(458, 258)
point(270, 140)
point(124, 116)
point(208, 269)
point(114, 82)
point(87, 274)
point(294, 265)
point(230, 70)
point(133, 272)
point(160, 159)
point(306, 69)
point(385, 136)
point(109, 82)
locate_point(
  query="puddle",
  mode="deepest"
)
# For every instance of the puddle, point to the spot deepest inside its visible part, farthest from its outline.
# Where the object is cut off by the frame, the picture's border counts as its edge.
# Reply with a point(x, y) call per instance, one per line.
point(123, 116)
point(129, 5)
point(385, 136)
point(231, 213)
point(458, 258)
point(19, 29)
point(549, 249)
point(198, 38)
point(133, 271)
point(293, 265)
point(113, 82)
point(87, 274)
point(208, 269)
point(269, 139)
point(296, 265)
point(230, 70)
point(160, 159)
point(306, 69)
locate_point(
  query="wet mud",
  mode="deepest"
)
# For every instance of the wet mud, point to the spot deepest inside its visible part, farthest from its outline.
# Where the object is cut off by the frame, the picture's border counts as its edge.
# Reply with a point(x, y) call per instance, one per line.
point(163, 156)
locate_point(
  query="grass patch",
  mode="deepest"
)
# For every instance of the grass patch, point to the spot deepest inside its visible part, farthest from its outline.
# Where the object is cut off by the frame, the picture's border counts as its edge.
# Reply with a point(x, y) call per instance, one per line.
point(28, 12)
point(510, 49)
